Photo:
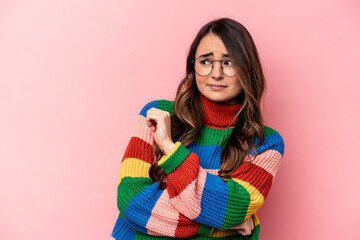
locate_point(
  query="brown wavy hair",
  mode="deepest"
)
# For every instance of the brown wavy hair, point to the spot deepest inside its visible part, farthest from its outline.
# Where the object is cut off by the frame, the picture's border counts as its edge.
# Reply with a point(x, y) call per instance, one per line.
point(187, 118)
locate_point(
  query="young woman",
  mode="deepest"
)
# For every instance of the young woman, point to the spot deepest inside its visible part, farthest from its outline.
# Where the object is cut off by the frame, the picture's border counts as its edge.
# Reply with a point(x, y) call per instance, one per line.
point(199, 167)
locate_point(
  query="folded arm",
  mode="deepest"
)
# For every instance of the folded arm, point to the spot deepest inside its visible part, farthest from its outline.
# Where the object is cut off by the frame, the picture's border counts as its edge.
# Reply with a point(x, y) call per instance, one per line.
point(206, 198)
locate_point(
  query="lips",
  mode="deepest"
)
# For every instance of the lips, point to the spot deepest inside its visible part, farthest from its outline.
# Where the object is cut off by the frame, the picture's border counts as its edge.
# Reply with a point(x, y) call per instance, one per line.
point(217, 87)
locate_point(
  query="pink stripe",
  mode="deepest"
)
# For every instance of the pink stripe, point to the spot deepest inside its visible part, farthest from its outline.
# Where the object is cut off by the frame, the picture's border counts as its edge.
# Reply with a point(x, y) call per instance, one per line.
point(268, 160)
point(189, 200)
point(164, 217)
point(142, 130)
point(212, 171)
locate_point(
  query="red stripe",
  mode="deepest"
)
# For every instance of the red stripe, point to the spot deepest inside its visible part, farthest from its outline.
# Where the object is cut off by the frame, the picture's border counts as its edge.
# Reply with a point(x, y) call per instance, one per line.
point(138, 148)
point(183, 175)
point(186, 227)
point(256, 176)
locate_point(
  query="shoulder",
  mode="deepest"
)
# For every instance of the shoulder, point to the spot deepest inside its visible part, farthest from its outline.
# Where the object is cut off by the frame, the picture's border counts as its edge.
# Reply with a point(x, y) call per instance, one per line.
point(273, 141)
point(162, 104)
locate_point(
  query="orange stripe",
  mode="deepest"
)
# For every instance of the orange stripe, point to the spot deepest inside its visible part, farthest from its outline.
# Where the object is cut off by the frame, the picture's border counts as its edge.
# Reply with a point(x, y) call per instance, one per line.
point(138, 148)
point(256, 176)
point(184, 175)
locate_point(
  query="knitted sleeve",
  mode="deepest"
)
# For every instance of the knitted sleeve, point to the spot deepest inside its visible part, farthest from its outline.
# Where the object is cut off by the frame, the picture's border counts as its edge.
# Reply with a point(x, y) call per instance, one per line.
point(141, 202)
point(206, 198)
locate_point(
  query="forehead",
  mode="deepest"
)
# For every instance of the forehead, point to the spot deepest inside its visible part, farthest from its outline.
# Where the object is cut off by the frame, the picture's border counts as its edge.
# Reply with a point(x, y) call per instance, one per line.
point(211, 43)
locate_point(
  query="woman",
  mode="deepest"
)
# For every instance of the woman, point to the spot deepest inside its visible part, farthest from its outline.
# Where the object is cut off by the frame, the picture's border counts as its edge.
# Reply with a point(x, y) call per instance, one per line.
point(199, 167)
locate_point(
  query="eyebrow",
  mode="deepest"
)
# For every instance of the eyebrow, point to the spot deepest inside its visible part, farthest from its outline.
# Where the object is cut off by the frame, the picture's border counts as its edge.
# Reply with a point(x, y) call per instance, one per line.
point(212, 54)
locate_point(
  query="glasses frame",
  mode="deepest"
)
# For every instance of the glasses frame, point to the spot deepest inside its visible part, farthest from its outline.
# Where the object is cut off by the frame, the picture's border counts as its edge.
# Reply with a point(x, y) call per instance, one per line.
point(212, 67)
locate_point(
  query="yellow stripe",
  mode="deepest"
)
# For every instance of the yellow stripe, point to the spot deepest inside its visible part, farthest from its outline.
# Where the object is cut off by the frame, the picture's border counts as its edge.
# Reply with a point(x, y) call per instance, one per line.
point(133, 167)
point(255, 219)
point(165, 157)
point(256, 198)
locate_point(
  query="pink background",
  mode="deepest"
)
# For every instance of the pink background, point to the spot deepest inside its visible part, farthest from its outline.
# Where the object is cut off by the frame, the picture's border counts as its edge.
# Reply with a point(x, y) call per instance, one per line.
point(75, 74)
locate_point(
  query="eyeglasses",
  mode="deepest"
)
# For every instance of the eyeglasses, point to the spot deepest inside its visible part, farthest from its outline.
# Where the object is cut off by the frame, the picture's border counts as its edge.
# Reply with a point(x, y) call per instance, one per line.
point(204, 66)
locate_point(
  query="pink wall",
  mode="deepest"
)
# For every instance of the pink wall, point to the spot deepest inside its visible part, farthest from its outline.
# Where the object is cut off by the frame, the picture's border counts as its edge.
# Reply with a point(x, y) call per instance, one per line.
point(74, 75)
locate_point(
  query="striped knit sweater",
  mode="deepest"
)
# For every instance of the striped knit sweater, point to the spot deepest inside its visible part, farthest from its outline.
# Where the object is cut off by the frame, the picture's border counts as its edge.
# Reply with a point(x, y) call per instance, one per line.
point(196, 203)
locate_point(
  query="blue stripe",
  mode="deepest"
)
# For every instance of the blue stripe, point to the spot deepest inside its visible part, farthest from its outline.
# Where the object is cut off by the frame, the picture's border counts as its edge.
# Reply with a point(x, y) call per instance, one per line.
point(146, 199)
point(209, 155)
point(213, 212)
point(273, 141)
point(122, 230)
point(152, 104)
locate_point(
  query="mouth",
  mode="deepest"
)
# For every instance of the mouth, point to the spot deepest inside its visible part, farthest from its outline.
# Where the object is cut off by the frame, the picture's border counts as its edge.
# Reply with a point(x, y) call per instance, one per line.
point(217, 86)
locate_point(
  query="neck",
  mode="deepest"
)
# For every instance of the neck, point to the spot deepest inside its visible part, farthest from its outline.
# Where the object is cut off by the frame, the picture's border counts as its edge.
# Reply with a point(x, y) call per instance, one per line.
point(219, 115)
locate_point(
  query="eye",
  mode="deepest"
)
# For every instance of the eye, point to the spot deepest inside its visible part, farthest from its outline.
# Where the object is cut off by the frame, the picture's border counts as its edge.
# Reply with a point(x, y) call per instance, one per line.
point(205, 61)
point(227, 62)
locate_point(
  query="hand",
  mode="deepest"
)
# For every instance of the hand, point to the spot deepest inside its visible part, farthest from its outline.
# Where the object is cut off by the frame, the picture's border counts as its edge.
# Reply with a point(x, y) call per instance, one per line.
point(159, 122)
point(246, 227)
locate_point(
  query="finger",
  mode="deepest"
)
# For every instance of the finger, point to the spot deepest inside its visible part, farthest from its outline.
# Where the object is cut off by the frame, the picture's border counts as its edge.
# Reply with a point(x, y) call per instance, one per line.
point(252, 223)
point(243, 232)
point(153, 112)
point(158, 111)
point(148, 122)
point(150, 117)
point(153, 117)
point(151, 122)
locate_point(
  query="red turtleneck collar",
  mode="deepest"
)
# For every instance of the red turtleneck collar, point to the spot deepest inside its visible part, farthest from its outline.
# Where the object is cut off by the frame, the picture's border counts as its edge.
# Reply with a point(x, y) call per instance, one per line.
point(219, 115)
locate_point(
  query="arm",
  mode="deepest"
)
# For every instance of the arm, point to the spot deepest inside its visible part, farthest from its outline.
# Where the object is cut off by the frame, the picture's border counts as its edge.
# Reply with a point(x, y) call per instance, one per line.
point(207, 199)
point(141, 202)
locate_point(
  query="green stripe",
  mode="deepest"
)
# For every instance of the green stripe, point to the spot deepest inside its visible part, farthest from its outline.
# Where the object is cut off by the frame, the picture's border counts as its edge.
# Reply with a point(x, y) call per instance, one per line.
point(142, 236)
point(237, 204)
point(130, 187)
point(166, 105)
point(254, 236)
point(210, 136)
point(268, 130)
point(175, 159)
point(204, 229)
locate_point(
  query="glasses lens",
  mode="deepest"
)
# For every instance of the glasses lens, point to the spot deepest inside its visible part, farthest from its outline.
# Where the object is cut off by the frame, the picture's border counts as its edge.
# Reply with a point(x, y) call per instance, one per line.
point(228, 68)
point(203, 66)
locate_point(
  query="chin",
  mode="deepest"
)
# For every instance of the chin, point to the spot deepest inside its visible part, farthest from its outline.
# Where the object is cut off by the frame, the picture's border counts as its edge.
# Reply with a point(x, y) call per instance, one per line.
point(217, 99)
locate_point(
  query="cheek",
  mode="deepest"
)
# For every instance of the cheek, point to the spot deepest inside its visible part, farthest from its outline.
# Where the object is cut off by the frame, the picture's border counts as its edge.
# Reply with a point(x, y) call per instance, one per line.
point(236, 84)
point(200, 81)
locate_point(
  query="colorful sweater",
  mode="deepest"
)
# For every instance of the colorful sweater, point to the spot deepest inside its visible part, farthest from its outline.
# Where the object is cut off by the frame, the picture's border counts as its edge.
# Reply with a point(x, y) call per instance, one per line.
point(196, 203)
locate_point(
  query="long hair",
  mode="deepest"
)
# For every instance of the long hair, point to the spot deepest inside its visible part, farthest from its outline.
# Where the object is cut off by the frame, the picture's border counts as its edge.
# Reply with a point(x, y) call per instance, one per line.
point(187, 118)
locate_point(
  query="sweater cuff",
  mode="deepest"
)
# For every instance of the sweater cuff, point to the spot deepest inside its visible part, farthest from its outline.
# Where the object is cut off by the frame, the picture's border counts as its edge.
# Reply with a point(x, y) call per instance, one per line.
point(176, 156)
point(204, 229)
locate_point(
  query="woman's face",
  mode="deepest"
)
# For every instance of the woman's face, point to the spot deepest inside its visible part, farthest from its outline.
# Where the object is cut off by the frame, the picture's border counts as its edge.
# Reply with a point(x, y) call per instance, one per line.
point(213, 48)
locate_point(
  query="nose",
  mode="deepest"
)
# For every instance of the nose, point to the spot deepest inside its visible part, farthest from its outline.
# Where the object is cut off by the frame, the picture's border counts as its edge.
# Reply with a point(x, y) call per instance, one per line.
point(217, 72)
